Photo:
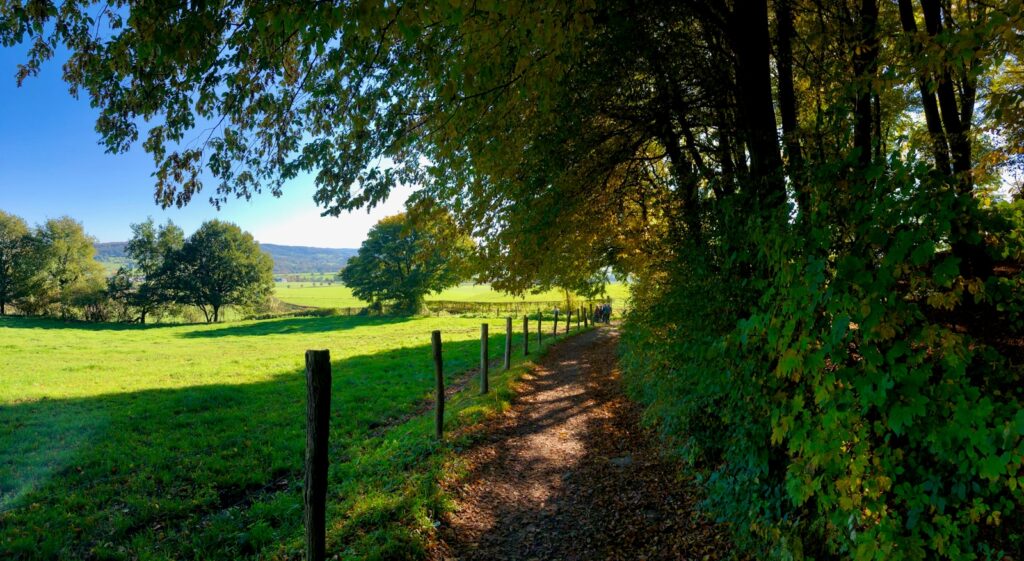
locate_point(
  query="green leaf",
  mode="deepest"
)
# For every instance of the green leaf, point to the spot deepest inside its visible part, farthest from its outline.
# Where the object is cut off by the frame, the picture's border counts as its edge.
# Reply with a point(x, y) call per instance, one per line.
point(947, 270)
point(992, 467)
point(922, 253)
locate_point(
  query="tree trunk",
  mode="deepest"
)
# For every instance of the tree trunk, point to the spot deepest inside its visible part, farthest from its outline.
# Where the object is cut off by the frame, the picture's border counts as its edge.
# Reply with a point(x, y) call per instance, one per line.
point(751, 43)
point(683, 173)
point(974, 257)
point(725, 159)
point(940, 149)
point(956, 131)
point(865, 64)
point(876, 103)
point(787, 100)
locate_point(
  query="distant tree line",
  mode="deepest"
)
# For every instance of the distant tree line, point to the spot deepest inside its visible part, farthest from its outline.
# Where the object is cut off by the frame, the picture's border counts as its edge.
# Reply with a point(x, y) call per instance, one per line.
point(50, 270)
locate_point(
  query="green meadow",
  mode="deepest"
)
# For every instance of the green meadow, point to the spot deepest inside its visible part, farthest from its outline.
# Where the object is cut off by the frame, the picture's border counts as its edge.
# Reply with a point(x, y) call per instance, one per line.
point(186, 441)
point(339, 296)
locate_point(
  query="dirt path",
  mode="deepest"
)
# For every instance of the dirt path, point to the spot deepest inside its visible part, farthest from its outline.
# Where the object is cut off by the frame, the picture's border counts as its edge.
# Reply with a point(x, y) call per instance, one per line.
point(569, 475)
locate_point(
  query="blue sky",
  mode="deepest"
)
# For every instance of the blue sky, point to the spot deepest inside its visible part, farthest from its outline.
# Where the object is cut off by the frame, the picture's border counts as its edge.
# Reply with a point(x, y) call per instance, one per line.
point(51, 165)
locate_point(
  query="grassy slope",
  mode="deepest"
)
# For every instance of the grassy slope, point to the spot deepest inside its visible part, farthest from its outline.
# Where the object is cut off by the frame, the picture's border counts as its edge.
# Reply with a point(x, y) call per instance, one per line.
point(339, 296)
point(124, 442)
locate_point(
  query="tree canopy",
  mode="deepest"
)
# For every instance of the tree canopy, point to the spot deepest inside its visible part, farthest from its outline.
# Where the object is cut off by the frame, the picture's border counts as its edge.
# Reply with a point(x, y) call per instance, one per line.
point(71, 275)
point(147, 284)
point(220, 265)
point(19, 260)
point(407, 256)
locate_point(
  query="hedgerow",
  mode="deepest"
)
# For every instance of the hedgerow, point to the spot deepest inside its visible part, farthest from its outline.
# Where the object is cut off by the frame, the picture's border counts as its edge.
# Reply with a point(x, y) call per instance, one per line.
point(863, 400)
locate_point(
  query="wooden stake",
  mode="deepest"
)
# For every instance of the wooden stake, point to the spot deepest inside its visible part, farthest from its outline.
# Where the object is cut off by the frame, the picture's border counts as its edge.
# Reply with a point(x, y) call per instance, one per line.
point(435, 342)
point(318, 417)
point(508, 343)
point(526, 335)
point(483, 358)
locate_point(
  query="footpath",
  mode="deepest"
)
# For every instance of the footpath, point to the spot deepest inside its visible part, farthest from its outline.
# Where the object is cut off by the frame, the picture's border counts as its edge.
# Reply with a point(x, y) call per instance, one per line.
point(569, 474)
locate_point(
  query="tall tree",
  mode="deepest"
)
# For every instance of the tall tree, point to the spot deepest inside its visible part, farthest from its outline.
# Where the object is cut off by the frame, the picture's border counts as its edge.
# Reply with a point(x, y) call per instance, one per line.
point(950, 58)
point(221, 265)
point(69, 261)
point(147, 284)
point(19, 260)
point(405, 257)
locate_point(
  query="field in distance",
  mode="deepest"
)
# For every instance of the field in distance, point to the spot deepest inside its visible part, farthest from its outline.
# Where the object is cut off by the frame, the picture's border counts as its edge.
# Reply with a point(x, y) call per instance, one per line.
point(337, 295)
point(186, 441)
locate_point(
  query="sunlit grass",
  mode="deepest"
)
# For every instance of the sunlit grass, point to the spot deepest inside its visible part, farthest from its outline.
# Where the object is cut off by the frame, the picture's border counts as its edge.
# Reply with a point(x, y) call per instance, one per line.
point(186, 442)
point(339, 296)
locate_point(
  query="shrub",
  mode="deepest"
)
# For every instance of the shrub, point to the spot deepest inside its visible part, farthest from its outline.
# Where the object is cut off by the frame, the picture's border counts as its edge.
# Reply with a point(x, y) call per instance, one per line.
point(861, 407)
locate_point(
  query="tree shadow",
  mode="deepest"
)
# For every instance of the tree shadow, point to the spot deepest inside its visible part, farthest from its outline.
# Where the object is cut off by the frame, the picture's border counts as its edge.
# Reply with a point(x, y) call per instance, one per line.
point(286, 326)
point(574, 477)
point(31, 322)
point(210, 472)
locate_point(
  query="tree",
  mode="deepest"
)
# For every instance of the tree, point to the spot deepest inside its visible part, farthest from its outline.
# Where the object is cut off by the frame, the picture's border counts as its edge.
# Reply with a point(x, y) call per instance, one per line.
point(405, 257)
point(220, 265)
point(19, 260)
point(69, 264)
point(145, 285)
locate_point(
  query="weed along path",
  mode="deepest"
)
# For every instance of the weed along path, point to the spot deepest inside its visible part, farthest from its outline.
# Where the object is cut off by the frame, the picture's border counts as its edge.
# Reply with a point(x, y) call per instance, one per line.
point(568, 474)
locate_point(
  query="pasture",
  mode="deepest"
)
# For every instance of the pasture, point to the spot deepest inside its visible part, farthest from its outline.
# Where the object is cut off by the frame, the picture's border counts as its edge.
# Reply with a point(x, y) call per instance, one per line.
point(186, 441)
point(338, 295)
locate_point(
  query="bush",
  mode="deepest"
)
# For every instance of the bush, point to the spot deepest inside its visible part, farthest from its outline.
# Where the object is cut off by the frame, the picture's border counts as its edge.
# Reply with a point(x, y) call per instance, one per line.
point(860, 408)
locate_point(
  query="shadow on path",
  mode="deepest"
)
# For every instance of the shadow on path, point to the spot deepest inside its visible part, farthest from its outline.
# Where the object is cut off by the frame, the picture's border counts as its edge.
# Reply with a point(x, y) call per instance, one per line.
point(570, 475)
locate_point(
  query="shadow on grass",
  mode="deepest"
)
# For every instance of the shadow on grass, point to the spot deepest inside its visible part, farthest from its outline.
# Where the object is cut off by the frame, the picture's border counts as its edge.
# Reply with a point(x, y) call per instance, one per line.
point(286, 326)
point(214, 472)
point(31, 322)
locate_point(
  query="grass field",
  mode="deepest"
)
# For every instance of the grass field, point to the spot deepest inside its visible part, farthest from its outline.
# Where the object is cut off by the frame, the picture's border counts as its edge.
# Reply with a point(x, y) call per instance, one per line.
point(339, 296)
point(186, 442)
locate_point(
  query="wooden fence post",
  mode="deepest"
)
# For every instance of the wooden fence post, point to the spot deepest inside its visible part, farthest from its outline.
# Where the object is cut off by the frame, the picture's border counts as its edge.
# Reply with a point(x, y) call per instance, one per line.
point(540, 332)
point(526, 335)
point(586, 319)
point(483, 358)
point(435, 342)
point(568, 321)
point(508, 343)
point(318, 417)
point(579, 313)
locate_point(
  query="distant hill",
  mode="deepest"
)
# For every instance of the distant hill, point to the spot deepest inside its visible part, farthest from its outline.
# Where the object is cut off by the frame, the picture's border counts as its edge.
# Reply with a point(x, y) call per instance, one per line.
point(110, 251)
point(302, 259)
point(288, 259)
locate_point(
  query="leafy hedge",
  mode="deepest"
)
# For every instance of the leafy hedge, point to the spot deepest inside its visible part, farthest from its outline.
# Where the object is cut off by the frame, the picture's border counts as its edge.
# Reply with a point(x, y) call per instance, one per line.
point(863, 402)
